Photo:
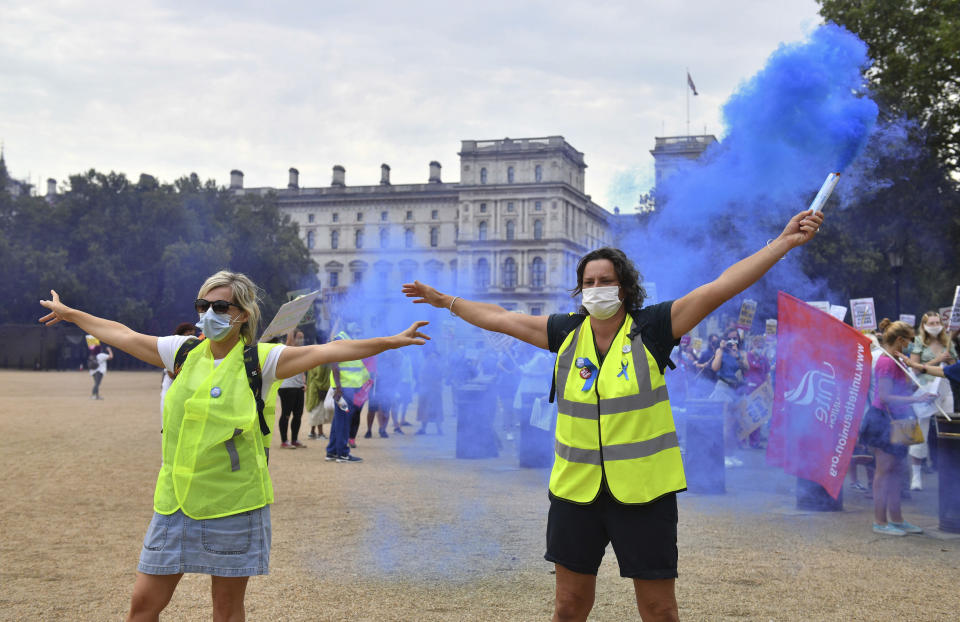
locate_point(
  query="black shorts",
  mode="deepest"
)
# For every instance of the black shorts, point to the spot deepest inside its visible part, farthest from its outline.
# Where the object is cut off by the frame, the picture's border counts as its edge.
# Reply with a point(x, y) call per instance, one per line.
point(644, 537)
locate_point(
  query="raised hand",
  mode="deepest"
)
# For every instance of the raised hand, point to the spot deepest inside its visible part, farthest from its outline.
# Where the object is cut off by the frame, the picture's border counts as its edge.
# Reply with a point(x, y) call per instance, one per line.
point(423, 293)
point(412, 336)
point(802, 227)
point(58, 310)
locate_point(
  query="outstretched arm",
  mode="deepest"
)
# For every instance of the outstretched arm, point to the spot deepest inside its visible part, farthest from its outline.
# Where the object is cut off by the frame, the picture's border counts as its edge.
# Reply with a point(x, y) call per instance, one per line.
point(529, 328)
point(144, 347)
point(296, 359)
point(687, 312)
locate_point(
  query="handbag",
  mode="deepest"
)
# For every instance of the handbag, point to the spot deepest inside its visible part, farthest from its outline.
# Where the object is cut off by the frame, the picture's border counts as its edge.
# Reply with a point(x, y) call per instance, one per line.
point(905, 431)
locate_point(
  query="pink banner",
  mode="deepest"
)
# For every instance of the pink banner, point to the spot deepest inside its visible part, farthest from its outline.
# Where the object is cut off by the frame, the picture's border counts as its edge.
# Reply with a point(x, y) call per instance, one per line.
point(823, 374)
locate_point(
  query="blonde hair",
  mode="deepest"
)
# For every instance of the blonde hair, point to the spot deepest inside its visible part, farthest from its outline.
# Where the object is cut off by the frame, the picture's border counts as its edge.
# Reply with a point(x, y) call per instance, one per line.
point(925, 337)
point(244, 296)
point(895, 330)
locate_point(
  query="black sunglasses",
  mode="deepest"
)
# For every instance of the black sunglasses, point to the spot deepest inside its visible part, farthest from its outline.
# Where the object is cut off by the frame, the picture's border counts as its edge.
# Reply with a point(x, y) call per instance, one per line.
point(219, 306)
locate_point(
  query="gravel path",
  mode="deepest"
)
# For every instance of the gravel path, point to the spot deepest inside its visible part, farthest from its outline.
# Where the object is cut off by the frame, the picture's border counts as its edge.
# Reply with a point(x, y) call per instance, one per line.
point(413, 534)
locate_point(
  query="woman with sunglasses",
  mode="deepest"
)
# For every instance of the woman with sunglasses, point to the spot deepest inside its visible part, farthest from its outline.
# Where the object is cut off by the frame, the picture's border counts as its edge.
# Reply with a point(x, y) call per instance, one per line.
point(213, 494)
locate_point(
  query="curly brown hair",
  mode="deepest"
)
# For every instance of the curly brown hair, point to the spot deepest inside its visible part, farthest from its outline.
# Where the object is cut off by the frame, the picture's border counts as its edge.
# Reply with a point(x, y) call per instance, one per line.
point(627, 274)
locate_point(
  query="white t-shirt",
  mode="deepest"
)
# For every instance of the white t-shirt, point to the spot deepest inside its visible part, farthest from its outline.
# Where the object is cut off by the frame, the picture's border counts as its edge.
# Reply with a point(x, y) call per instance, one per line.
point(167, 349)
point(102, 359)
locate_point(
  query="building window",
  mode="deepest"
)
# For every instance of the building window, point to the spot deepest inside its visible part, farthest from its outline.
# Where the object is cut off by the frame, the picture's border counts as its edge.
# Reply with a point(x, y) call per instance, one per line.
point(434, 236)
point(358, 238)
point(483, 176)
point(510, 207)
point(537, 229)
point(538, 177)
point(538, 206)
point(509, 174)
point(309, 239)
point(384, 238)
point(309, 217)
point(357, 277)
point(481, 275)
point(408, 238)
point(511, 230)
point(434, 214)
point(359, 216)
point(409, 215)
point(483, 208)
point(538, 273)
point(334, 239)
point(482, 230)
point(333, 279)
point(336, 217)
point(383, 278)
point(536, 310)
point(509, 273)
point(383, 217)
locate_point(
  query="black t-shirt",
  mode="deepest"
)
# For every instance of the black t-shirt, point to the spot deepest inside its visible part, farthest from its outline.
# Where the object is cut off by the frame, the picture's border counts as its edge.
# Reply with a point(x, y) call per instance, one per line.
point(656, 331)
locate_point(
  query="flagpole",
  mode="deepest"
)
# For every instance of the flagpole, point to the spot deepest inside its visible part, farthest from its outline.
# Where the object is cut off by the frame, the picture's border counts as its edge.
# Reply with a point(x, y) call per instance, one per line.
point(686, 89)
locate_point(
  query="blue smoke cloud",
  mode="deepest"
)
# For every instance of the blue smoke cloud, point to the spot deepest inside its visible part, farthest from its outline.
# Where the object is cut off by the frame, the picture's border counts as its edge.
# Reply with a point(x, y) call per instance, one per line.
point(807, 113)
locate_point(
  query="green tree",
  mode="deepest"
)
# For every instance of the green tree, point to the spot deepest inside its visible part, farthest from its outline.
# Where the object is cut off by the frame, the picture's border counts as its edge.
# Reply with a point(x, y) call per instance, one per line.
point(915, 46)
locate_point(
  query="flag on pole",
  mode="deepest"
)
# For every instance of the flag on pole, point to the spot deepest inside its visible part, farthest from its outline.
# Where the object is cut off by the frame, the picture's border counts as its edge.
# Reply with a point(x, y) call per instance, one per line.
point(693, 87)
point(822, 380)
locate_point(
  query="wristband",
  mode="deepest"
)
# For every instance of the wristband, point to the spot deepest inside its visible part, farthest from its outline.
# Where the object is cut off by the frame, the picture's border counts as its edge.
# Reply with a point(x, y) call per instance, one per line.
point(450, 308)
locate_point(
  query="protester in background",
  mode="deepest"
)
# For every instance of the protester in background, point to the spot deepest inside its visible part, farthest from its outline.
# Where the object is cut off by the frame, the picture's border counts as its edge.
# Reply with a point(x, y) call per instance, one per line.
point(932, 347)
point(893, 399)
point(212, 498)
point(378, 404)
point(103, 355)
point(319, 412)
point(729, 363)
point(506, 386)
point(291, 394)
point(615, 481)
point(404, 392)
point(757, 372)
point(348, 379)
point(429, 392)
point(706, 379)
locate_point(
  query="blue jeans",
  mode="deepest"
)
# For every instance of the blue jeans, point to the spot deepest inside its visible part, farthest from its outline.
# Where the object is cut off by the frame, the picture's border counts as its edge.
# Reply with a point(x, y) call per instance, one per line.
point(340, 428)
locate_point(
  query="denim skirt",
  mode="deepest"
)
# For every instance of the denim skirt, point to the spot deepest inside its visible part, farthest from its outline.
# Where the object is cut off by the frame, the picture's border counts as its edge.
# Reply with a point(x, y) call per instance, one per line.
point(230, 546)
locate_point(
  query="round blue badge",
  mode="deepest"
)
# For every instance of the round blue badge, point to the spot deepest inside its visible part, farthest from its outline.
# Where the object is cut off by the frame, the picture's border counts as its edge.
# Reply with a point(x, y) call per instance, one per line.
point(215, 392)
point(579, 362)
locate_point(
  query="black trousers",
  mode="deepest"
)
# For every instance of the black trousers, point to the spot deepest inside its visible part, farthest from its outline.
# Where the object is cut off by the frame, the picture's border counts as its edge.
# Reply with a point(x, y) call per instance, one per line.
point(291, 408)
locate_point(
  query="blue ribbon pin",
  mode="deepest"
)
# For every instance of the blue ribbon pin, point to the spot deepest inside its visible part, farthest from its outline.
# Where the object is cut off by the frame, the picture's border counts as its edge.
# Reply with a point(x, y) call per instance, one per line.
point(623, 371)
point(588, 371)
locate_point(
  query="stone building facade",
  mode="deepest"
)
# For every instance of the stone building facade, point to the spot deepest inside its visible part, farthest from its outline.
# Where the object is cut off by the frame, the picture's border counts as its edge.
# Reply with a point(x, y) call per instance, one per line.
point(510, 231)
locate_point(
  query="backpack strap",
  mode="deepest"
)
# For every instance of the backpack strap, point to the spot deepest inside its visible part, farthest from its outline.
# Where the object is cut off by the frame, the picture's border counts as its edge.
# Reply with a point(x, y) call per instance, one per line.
point(553, 377)
point(182, 353)
point(637, 329)
point(251, 361)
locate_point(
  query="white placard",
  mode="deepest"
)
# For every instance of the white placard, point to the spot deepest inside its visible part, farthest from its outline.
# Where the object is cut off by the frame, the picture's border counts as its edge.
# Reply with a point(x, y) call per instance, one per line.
point(770, 327)
point(908, 318)
point(289, 315)
point(863, 313)
point(955, 310)
point(823, 305)
point(838, 311)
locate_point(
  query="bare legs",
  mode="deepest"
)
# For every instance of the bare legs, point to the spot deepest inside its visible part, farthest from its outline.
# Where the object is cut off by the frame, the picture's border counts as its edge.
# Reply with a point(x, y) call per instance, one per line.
point(656, 600)
point(886, 488)
point(152, 593)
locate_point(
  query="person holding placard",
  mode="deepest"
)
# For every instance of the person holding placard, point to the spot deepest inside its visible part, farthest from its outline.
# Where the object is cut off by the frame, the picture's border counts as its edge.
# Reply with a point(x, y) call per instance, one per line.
point(212, 498)
point(933, 347)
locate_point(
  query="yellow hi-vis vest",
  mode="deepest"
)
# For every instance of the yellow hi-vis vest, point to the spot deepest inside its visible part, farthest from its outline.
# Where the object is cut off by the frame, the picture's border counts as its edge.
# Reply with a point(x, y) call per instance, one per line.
point(353, 374)
point(614, 423)
point(214, 463)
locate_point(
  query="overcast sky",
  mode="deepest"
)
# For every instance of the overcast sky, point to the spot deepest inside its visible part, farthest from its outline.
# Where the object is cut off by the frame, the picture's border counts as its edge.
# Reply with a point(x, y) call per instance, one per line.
point(172, 87)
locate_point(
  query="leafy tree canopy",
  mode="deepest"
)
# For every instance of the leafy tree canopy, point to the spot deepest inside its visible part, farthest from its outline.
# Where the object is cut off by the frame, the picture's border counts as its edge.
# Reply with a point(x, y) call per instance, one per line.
point(137, 252)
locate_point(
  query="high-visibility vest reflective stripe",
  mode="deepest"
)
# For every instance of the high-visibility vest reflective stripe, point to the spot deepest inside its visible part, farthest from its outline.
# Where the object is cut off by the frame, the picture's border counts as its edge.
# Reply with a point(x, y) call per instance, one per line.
point(214, 462)
point(620, 429)
point(353, 374)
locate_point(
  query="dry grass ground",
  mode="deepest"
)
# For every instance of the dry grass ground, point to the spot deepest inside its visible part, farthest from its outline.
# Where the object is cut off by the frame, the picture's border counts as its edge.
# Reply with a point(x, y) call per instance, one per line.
point(413, 534)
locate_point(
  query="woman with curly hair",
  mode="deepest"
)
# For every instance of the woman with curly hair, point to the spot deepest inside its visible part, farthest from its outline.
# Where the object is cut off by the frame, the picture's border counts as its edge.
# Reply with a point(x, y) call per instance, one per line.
point(617, 467)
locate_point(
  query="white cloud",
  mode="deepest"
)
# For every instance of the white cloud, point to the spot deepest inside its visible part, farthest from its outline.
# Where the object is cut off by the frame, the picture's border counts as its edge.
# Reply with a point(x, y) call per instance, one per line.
point(174, 87)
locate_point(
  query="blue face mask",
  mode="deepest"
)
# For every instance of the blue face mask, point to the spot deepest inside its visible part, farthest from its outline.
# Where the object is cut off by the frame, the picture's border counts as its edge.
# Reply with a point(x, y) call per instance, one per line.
point(215, 326)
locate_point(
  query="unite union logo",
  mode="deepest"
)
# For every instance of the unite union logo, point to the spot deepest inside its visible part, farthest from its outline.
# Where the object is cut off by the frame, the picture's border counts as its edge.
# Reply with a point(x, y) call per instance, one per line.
point(817, 387)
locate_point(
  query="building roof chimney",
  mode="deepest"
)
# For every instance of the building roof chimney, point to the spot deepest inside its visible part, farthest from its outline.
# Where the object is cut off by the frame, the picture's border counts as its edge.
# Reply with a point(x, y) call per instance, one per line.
point(236, 179)
point(434, 172)
point(51, 187)
point(339, 176)
point(294, 182)
point(384, 174)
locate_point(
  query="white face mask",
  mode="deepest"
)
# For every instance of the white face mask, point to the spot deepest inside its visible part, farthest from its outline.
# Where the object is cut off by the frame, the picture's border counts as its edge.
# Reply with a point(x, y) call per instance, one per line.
point(933, 331)
point(602, 302)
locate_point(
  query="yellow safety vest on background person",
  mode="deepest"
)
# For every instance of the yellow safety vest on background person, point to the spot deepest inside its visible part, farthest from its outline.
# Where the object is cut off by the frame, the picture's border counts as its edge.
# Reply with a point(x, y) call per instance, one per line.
point(214, 462)
point(353, 374)
point(614, 423)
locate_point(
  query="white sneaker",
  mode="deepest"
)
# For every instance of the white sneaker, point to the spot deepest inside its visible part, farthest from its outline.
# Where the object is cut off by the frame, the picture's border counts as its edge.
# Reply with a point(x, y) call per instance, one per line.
point(732, 462)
